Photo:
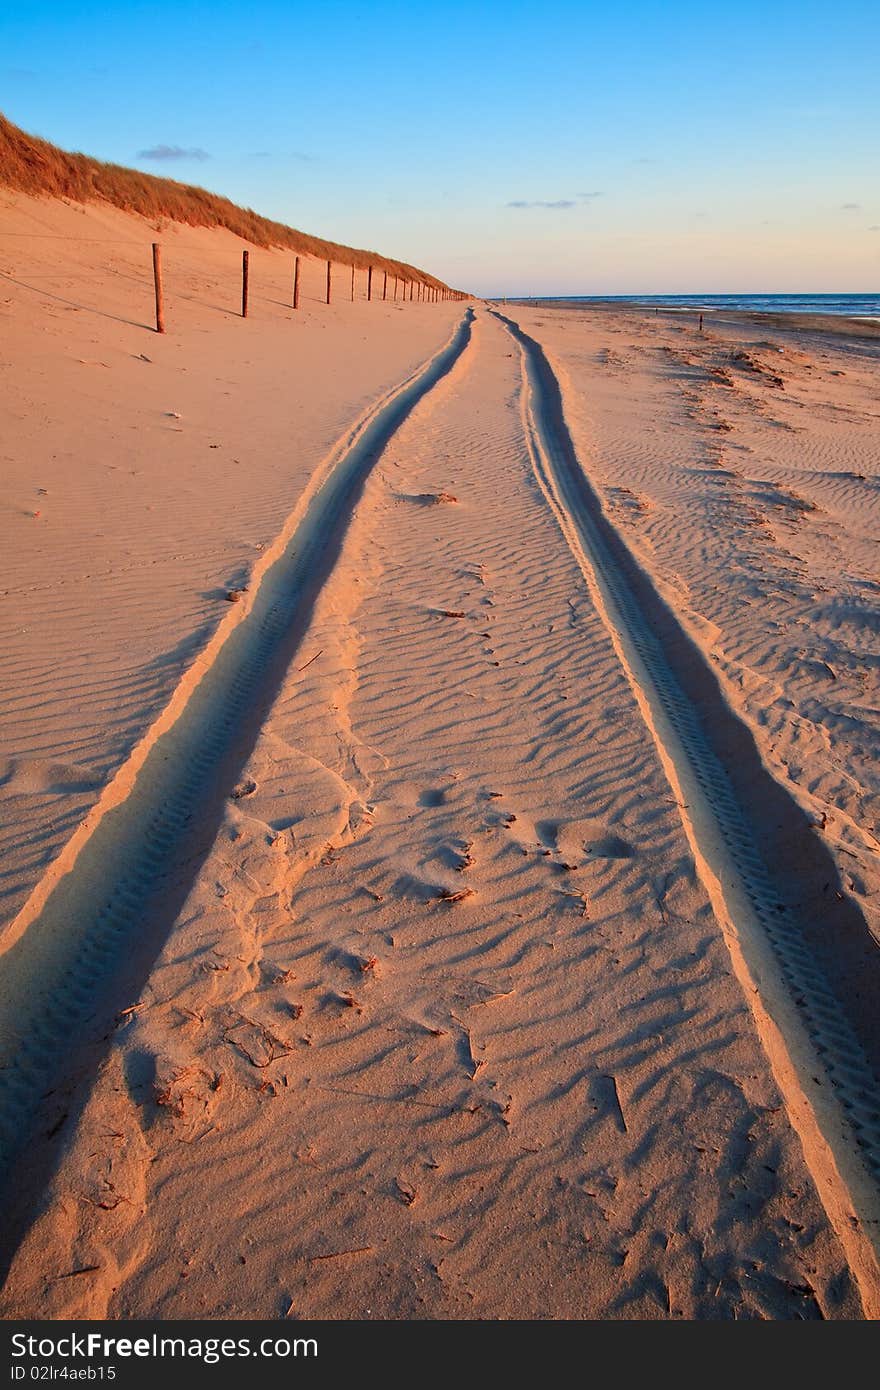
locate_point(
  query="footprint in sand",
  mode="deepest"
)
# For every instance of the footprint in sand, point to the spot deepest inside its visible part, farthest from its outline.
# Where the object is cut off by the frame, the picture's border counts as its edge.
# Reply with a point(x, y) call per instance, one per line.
point(458, 855)
point(583, 840)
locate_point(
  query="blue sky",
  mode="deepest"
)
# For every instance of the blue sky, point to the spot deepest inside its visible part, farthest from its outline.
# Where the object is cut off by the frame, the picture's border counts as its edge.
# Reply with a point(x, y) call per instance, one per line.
point(508, 147)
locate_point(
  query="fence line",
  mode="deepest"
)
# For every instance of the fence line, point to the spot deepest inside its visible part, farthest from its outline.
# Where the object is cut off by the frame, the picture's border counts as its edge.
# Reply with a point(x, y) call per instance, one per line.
point(420, 291)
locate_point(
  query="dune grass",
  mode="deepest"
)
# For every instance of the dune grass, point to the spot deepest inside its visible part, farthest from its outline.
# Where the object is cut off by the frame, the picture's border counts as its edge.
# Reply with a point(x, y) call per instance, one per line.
point(31, 165)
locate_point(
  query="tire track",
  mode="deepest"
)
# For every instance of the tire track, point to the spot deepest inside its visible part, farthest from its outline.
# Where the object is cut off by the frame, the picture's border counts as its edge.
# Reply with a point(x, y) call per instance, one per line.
point(91, 930)
point(811, 972)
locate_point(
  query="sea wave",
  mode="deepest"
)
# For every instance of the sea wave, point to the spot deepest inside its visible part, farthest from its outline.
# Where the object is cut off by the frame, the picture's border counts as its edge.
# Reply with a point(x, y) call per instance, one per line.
point(860, 306)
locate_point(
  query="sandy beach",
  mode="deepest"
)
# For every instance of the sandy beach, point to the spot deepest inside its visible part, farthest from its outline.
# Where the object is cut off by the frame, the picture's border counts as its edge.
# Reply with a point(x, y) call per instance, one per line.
point(438, 799)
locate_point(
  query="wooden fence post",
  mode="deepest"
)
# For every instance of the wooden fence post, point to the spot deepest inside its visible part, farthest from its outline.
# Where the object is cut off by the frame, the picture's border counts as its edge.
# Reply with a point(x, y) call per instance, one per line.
point(352, 284)
point(412, 285)
point(395, 288)
point(369, 283)
point(385, 286)
point(296, 283)
point(245, 259)
point(157, 282)
point(328, 281)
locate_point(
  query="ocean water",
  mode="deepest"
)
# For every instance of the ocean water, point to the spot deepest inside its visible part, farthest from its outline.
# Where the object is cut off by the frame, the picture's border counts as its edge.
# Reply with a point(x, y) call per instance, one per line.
point(850, 305)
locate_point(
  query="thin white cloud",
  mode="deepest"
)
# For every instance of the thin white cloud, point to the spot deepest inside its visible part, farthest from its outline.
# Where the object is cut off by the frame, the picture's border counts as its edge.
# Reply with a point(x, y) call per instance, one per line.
point(161, 153)
point(541, 203)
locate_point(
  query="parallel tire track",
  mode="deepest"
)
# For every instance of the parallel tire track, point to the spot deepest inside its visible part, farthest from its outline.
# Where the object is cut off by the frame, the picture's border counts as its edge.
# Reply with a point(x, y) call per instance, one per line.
point(818, 1043)
point(139, 849)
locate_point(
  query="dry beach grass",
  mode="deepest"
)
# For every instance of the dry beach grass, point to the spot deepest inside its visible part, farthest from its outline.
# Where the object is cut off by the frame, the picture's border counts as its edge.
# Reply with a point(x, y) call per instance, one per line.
point(36, 167)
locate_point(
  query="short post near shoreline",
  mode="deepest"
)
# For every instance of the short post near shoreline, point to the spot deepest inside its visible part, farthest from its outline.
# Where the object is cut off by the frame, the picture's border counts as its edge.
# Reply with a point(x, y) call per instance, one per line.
point(369, 283)
point(296, 283)
point(329, 263)
point(385, 286)
point(157, 284)
point(245, 268)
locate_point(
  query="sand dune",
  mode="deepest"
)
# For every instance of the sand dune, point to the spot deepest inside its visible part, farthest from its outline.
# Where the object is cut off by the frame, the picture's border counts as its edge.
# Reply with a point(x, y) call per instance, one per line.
point(464, 949)
point(145, 478)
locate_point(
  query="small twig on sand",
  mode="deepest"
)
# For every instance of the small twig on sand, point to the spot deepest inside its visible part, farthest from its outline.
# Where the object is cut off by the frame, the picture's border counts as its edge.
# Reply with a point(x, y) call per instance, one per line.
point(127, 1013)
point(337, 1254)
point(373, 1095)
point(310, 660)
point(109, 1204)
point(72, 1273)
point(446, 895)
point(274, 1046)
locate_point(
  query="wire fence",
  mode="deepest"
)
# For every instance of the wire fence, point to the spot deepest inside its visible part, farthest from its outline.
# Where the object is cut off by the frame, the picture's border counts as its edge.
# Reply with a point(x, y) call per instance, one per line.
point(370, 283)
